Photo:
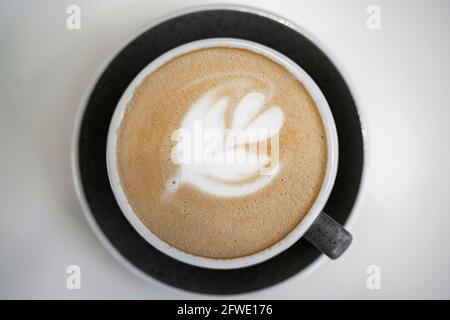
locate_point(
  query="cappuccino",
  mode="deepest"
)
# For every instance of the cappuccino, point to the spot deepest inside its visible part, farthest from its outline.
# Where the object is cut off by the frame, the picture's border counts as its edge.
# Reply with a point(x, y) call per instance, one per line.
point(221, 152)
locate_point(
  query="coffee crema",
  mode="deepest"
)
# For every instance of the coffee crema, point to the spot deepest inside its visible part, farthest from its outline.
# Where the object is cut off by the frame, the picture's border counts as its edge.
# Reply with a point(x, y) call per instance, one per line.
point(221, 152)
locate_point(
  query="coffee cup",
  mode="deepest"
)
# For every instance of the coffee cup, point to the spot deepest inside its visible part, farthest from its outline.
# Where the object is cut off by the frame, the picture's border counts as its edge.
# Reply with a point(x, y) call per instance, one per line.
point(316, 226)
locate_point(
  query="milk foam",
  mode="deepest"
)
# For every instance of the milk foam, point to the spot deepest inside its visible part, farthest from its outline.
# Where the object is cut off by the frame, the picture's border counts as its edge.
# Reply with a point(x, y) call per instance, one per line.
point(234, 164)
point(221, 209)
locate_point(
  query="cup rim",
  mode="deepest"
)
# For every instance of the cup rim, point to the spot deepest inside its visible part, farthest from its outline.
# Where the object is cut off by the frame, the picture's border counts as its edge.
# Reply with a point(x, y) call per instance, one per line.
point(296, 233)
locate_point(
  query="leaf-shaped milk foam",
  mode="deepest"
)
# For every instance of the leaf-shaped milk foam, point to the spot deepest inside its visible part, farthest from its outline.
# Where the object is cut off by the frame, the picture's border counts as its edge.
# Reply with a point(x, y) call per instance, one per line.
point(231, 169)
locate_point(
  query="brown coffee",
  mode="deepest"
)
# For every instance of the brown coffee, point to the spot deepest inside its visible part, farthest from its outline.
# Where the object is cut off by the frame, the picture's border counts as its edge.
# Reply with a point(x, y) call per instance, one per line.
point(221, 152)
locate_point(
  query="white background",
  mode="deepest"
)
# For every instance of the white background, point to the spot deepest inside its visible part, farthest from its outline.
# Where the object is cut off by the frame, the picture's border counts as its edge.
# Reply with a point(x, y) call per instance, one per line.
point(400, 74)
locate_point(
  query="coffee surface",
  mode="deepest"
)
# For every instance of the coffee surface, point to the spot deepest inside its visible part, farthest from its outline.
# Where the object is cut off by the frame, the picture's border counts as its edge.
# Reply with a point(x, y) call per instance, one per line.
point(221, 152)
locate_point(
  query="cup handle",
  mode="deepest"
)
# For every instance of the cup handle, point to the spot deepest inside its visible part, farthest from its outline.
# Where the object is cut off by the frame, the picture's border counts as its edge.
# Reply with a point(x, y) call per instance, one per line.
point(328, 236)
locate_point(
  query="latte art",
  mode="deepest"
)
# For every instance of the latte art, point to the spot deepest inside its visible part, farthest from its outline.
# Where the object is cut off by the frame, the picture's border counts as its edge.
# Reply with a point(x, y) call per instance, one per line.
point(221, 152)
point(228, 161)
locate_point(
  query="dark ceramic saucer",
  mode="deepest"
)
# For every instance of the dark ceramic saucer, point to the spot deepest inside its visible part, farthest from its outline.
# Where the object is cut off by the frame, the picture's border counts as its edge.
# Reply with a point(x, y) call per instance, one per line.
point(90, 163)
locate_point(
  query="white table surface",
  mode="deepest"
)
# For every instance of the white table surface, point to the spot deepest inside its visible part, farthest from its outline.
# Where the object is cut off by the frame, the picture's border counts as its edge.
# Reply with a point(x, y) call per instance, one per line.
point(400, 74)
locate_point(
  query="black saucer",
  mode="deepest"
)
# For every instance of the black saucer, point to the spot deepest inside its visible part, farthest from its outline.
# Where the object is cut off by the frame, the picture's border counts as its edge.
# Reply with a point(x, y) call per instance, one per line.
point(121, 71)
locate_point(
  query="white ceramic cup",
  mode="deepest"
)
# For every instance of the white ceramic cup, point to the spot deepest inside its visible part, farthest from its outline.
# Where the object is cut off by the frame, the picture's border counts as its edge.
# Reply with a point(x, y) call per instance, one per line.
point(326, 234)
